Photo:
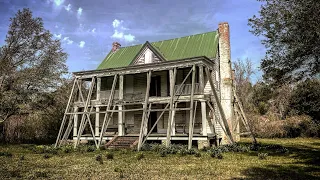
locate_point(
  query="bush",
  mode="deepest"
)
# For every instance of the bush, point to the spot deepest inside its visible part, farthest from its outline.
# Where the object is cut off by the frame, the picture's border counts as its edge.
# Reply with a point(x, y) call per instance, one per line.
point(197, 154)
point(140, 156)
point(109, 155)
point(67, 148)
point(99, 158)
point(91, 148)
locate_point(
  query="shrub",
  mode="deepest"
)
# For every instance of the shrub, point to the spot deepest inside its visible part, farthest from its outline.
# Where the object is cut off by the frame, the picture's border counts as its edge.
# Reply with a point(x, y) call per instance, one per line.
point(99, 158)
point(140, 156)
point(67, 148)
point(109, 155)
point(183, 152)
point(91, 148)
point(197, 154)
point(146, 147)
point(163, 152)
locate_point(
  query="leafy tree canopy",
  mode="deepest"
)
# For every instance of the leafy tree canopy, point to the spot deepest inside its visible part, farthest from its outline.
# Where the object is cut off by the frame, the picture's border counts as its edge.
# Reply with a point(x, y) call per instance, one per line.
point(31, 63)
point(291, 34)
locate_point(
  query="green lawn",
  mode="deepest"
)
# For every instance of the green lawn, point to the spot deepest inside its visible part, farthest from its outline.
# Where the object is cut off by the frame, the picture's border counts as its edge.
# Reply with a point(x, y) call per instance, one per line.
point(301, 162)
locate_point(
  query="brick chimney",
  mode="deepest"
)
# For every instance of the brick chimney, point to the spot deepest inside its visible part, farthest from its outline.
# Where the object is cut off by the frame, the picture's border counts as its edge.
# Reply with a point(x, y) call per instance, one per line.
point(115, 46)
point(226, 75)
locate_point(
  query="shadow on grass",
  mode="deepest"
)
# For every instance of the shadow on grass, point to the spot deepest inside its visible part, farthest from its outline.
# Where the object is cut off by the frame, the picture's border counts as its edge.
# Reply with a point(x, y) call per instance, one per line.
point(307, 165)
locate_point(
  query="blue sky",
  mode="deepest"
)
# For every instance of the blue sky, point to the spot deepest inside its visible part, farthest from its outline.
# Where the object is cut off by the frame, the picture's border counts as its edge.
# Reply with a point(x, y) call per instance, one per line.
point(88, 28)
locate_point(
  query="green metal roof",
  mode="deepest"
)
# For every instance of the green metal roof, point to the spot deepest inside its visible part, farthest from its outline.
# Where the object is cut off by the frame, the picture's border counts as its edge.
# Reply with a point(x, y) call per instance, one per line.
point(205, 44)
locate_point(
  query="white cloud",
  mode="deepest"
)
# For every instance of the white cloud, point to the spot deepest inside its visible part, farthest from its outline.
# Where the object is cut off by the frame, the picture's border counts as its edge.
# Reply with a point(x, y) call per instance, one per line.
point(56, 26)
point(93, 30)
point(79, 11)
point(67, 8)
point(81, 44)
point(117, 35)
point(119, 31)
point(58, 36)
point(56, 2)
point(129, 37)
point(67, 40)
point(116, 23)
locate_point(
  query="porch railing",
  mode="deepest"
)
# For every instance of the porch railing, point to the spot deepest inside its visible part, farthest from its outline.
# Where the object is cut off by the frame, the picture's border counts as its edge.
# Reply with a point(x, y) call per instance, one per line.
point(186, 89)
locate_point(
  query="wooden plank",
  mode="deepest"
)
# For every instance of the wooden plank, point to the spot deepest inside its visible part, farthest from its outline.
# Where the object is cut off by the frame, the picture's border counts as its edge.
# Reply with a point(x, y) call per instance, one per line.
point(132, 110)
point(114, 83)
point(98, 88)
point(191, 107)
point(223, 117)
point(145, 105)
point(65, 115)
point(172, 80)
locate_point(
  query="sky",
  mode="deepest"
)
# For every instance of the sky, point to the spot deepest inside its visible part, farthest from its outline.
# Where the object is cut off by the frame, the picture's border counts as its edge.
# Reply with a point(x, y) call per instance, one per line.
point(88, 28)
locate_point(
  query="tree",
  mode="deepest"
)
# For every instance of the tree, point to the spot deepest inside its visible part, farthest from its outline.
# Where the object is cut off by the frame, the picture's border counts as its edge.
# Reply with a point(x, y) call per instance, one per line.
point(243, 74)
point(31, 63)
point(305, 99)
point(291, 34)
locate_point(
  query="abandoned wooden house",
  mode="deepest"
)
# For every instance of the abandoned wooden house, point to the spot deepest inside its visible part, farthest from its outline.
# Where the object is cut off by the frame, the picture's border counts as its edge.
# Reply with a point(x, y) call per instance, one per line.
point(176, 90)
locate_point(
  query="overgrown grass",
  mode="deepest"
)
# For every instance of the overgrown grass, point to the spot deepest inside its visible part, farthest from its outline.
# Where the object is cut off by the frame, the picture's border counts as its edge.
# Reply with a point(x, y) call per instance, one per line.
point(286, 159)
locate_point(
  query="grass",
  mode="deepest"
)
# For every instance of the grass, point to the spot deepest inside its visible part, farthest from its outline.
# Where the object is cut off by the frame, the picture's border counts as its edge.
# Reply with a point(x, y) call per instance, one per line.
point(301, 161)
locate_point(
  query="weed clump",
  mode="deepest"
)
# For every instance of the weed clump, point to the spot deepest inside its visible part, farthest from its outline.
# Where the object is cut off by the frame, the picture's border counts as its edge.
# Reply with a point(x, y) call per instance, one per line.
point(109, 155)
point(99, 158)
point(6, 154)
point(140, 156)
point(262, 155)
point(46, 156)
point(197, 154)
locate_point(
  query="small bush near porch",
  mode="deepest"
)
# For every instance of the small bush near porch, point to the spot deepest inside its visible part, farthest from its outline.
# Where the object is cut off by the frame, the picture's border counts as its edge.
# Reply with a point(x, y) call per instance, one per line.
point(272, 159)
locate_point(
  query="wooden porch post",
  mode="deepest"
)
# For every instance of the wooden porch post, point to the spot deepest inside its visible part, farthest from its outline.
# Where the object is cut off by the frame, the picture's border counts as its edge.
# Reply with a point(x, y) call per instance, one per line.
point(97, 123)
point(75, 122)
point(120, 107)
point(203, 103)
point(172, 74)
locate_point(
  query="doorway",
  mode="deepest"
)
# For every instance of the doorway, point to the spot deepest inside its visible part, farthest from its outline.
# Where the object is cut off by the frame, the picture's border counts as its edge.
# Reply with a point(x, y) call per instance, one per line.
point(155, 86)
point(152, 121)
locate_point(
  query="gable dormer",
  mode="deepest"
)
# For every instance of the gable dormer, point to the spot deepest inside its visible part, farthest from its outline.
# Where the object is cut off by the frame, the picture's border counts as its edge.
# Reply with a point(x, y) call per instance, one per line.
point(147, 54)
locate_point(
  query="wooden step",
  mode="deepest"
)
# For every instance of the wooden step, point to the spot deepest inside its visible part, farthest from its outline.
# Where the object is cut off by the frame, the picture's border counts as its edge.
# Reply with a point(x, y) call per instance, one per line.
point(122, 142)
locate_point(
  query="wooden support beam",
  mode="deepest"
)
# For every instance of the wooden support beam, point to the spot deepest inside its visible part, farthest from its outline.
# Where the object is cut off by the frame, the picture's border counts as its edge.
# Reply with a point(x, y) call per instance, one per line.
point(201, 79)
point(103, 128)
point(160, 116)
point(191, 107)
point(86, 117)
point(65, 115)
point(172, 80)
point(204, 118)
point(244, 117)
point(218, 119)
point(145, 105)
point(223, 117)
point(120, 107)
point(98, 88)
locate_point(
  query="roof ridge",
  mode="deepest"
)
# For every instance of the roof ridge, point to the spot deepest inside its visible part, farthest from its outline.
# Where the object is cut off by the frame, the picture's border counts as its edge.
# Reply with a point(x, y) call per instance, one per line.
point(171, 39)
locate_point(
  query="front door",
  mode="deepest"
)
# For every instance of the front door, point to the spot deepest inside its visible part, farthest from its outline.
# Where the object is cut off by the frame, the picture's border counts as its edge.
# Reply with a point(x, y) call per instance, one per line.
point(155, 89)
point(152, 121)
